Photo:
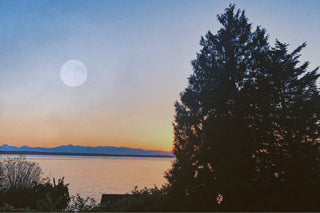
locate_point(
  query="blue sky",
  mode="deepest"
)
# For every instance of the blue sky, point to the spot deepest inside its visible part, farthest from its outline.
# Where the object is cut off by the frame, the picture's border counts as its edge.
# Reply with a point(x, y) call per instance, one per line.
point(138, 57)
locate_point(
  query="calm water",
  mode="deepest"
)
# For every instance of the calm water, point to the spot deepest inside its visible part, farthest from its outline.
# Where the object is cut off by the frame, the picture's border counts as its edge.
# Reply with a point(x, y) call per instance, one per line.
point(93, 176)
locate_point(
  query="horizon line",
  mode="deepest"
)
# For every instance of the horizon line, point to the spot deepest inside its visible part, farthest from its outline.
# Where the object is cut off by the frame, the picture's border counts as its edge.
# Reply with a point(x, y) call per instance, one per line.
point(89, 146)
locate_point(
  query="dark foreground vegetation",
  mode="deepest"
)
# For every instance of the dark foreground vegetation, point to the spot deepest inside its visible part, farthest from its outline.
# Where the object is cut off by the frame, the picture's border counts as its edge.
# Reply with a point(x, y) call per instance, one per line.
point(246, 134)
point(23, 189)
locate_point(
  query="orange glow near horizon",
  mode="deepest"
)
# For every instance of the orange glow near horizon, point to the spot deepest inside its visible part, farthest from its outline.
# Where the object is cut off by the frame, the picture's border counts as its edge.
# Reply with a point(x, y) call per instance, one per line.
point(130, 128)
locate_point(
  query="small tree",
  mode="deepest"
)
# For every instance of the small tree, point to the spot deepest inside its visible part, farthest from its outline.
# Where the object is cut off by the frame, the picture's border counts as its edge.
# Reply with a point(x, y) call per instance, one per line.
point(19, 172)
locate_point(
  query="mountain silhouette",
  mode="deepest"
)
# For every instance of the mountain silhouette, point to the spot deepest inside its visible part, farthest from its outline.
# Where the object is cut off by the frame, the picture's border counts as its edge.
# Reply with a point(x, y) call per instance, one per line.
point(103, 150)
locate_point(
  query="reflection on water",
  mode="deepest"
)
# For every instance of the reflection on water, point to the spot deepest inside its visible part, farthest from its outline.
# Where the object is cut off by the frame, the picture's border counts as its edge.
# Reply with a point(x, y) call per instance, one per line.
point(94, 175)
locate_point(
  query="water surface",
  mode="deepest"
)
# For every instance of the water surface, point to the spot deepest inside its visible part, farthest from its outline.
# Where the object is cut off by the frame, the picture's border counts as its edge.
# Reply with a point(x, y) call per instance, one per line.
point(95, 175)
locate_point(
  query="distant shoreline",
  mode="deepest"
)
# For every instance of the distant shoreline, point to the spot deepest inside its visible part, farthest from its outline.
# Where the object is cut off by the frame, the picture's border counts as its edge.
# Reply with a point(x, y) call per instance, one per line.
point(79, 154)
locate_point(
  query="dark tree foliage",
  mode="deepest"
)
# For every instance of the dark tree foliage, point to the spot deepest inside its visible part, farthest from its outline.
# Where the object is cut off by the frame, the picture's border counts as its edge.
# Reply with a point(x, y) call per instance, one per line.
point(247, 125)
point(287, 161)
point(41, 197)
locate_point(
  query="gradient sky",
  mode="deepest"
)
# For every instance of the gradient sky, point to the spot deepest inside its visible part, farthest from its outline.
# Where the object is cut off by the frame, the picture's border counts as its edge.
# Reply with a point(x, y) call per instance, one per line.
point(138, 57)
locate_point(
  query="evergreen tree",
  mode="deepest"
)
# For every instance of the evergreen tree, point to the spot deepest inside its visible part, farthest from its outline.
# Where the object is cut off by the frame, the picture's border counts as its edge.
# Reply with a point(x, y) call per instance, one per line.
point(209, 138)
point(249, 119)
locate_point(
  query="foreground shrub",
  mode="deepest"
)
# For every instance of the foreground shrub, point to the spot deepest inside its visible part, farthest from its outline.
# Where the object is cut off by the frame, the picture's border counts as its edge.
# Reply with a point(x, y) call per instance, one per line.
point(43, 197)
point(23, 188)
point(79, 204)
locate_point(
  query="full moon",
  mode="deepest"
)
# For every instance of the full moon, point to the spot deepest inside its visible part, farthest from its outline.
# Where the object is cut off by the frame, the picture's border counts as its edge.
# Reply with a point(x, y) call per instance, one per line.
point(73, 73)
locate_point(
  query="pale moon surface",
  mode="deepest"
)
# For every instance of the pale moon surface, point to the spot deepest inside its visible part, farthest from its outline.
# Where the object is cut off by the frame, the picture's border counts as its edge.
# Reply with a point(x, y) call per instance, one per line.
point(73, 73)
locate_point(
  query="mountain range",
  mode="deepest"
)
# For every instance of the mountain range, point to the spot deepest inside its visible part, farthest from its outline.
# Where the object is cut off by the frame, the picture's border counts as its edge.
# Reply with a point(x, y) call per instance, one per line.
point(85, 150)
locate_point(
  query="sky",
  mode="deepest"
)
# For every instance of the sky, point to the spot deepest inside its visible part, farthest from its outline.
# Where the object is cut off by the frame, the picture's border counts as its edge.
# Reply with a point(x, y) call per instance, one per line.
point(137, 55)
